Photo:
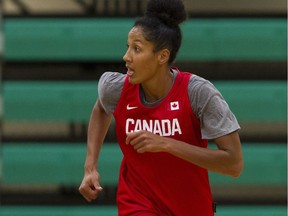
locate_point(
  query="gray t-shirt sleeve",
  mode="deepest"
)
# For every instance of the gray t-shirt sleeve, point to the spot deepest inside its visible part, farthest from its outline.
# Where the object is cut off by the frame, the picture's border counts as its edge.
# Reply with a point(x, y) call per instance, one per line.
point(211, 109)
point(109, 90)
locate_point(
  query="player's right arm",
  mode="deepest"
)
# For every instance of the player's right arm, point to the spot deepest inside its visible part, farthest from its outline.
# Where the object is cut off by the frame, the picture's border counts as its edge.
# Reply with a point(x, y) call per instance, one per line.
point(97, 129)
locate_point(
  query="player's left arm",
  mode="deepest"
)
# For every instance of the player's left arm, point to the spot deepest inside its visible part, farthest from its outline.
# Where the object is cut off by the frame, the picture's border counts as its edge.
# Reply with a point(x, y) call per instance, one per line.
point(226, 159)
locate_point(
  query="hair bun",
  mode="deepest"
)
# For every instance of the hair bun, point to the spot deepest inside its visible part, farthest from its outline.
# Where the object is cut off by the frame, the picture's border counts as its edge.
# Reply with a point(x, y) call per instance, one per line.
point(170, 12)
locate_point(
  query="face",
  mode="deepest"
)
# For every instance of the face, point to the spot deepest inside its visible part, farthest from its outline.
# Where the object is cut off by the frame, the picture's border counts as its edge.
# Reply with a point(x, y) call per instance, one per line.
point(141, 61)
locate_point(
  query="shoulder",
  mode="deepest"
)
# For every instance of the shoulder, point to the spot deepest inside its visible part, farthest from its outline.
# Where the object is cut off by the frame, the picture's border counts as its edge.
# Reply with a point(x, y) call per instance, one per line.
point(109, 89)
point(197, 83)
point(200, 91)
point(110, 78)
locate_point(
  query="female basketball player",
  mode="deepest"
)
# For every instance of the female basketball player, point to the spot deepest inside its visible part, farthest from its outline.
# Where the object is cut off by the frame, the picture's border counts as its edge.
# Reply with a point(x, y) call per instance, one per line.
point(164, 118)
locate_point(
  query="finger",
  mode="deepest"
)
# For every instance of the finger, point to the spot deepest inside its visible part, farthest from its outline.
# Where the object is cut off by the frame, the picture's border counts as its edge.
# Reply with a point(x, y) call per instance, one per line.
point(87, 193)
point(140, 148)
point(91, 194)
point(99, 188)
point(129, 137)
point(137, 146)
point(134, 138)
point(96, 185)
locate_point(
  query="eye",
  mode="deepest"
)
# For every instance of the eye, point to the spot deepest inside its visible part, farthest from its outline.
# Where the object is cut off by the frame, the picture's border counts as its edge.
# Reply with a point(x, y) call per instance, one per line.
point(137, 49)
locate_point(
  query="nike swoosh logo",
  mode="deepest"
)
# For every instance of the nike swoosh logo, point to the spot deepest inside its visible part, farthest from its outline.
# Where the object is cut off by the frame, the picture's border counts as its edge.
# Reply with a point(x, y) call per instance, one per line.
point(131, 107)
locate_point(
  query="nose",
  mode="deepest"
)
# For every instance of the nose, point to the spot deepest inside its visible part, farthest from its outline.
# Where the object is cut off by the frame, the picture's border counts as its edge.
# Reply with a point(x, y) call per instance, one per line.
point(126, 56)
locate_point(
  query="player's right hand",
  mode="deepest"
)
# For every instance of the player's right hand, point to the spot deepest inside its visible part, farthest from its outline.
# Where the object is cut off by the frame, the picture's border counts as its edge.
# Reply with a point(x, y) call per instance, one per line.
point(90, 187)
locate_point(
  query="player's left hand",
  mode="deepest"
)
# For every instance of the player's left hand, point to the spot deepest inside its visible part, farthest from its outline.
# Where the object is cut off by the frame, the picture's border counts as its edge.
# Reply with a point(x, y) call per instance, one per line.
point(145, 141)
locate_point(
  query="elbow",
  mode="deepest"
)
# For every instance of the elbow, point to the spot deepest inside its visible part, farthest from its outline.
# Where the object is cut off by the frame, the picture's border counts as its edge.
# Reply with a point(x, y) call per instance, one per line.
point(236, 169)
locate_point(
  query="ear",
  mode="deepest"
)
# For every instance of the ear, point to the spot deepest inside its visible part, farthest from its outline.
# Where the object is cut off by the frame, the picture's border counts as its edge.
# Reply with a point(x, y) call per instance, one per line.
point(163, 56)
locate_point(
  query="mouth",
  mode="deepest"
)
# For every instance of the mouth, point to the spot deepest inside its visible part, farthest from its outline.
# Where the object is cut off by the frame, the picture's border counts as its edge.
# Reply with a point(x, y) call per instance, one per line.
point(130, 71)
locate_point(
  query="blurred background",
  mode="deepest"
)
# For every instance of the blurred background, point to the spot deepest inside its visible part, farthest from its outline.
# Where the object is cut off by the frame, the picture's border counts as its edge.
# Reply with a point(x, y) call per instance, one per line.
point(52, 54)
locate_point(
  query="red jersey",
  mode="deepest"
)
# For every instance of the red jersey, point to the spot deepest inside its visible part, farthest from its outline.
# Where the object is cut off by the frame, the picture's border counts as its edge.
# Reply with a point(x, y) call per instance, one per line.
point(160, 183)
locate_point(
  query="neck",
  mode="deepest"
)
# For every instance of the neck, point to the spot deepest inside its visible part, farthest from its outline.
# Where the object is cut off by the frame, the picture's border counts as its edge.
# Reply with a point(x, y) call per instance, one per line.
point(159, 89)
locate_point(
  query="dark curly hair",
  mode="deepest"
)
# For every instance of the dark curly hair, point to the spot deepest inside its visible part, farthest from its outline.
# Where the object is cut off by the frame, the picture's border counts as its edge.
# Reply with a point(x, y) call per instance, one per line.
point(160, 25)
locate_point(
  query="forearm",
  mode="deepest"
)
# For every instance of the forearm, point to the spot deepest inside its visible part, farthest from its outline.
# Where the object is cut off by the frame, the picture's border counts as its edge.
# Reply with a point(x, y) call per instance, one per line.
point(227, 161)
point(97, 129)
